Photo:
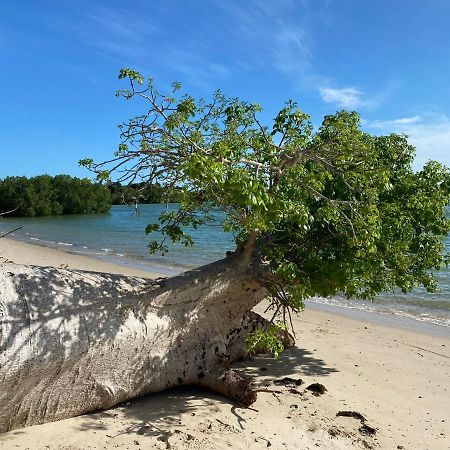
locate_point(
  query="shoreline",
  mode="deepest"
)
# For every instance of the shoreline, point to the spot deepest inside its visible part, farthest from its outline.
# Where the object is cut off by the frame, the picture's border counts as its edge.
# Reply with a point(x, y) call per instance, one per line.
point(398, 379)
point(380, 318)
point(108, 257)
point(20, 252)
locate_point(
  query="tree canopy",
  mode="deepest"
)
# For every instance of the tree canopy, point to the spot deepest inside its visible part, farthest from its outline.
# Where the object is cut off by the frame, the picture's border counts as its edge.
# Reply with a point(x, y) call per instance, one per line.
point(325, 211)
point(45, 195)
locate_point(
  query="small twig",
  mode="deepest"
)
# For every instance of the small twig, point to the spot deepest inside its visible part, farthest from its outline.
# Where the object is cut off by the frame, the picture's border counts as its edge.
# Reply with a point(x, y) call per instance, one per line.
point(271, 391)
point(9, 212)
point(290, 320)
point(9, 232)
point(426, 350)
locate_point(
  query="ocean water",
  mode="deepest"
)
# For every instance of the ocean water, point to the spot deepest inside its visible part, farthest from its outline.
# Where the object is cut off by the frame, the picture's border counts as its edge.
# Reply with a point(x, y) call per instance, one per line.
point(119, 236)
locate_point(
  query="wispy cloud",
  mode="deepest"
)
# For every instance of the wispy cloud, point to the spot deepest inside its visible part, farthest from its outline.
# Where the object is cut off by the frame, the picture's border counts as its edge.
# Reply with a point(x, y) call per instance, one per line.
point(231, 37)
point(402, 122)
point(274, 35)
point(281, 35)
point(122, 24)
point(143, 40)
point(350, 97)
point(428, 132)
point(114, 33)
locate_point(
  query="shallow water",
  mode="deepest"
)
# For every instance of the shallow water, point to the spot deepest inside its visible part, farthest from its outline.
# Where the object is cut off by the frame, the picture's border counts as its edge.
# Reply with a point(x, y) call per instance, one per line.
point(119, 236)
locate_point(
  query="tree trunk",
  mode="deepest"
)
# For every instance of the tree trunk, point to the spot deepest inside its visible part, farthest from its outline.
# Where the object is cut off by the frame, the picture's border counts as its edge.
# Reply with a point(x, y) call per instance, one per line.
point(73, 342)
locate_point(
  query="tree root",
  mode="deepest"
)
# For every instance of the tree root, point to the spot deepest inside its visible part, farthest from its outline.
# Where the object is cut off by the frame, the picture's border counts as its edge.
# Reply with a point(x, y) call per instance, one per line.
point(230, 384)
point(224, 380)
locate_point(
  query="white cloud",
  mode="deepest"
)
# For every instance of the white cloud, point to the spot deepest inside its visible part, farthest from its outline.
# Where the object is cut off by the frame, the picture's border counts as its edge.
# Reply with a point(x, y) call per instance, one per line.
point(395, 123)
point(407, 120)
point(280, 34)
point(350, 97)
point(429, 133)
point(354, 98)
point(273, 36)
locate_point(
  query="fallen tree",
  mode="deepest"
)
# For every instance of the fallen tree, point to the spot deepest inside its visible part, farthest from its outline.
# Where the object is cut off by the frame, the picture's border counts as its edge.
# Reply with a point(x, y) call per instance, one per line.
point(74, 341)
point(314, 213)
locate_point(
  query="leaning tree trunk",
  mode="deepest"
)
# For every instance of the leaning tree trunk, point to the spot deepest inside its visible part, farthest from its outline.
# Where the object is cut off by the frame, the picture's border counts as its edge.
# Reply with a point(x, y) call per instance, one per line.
point(73, 342)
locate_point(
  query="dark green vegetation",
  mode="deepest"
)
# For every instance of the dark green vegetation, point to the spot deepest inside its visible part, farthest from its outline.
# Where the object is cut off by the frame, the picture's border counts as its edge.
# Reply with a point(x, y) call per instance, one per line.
point(50, 196)
point(141, 193)
point(47, 196)
point(317, 211)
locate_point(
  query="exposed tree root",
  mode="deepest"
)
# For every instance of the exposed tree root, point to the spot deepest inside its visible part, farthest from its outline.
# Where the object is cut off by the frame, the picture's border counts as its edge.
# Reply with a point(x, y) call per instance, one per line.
point(229, 383)
point(224, 380)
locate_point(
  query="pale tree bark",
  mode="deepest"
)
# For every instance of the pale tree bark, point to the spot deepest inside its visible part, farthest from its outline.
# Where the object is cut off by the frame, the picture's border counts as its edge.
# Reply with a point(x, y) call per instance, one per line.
point(73, 342)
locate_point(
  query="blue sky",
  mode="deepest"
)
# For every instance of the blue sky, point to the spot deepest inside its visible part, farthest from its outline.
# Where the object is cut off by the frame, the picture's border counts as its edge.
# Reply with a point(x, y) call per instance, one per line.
point(389, 60)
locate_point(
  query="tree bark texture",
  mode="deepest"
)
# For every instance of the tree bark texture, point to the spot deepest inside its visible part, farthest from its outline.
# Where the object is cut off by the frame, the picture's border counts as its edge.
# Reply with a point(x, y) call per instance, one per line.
point(72, 342)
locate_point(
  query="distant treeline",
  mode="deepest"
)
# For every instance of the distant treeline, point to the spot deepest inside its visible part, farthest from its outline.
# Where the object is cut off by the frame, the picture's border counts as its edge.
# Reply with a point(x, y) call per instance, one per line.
point(141, 193)
point(45, 195)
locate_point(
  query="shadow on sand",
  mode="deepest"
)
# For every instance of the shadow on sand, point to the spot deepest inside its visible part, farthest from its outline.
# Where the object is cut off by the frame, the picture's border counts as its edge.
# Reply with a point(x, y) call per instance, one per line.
point(160, 415)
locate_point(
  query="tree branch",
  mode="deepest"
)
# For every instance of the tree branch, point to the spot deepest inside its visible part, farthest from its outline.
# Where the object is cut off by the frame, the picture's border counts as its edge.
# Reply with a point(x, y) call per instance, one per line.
point(9, 212)
point(9, 232)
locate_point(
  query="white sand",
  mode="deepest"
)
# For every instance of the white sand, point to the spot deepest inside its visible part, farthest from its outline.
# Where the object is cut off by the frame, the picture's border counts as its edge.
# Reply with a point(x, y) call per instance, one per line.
point(399, 380)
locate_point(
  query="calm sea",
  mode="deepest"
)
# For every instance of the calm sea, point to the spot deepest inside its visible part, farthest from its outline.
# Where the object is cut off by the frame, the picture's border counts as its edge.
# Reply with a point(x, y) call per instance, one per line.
point(119, 236)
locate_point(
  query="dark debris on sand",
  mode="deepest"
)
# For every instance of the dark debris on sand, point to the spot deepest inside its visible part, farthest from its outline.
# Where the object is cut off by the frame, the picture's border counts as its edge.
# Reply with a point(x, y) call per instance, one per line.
point(288, 382)
point(317, 389)
point(354, 414)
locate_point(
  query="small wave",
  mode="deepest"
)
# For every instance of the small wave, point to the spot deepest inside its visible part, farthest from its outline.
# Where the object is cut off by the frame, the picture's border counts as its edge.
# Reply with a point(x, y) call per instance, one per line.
point(65, 243)
point(120, 254)
point(34, 239)
point(428, 318)
point(83, 252)
point(421, 317)
point(106, 249)
point(432, 303)
point(337, 302)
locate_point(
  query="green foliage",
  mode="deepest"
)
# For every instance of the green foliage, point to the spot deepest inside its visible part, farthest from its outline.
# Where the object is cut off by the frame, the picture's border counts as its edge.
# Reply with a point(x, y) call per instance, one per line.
point(334, 210)
point(48, 196)
point(266, 340)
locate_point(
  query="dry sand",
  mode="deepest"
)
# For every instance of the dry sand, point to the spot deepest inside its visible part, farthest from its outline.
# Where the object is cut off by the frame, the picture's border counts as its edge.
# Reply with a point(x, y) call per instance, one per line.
point(398, 380)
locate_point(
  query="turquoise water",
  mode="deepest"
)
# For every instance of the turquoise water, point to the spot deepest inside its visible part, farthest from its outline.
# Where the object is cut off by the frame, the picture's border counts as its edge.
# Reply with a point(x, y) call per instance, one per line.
point(119, 236)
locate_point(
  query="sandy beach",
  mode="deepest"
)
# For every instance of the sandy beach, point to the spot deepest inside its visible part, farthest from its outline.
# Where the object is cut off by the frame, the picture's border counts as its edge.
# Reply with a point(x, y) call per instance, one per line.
point(386, 387)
